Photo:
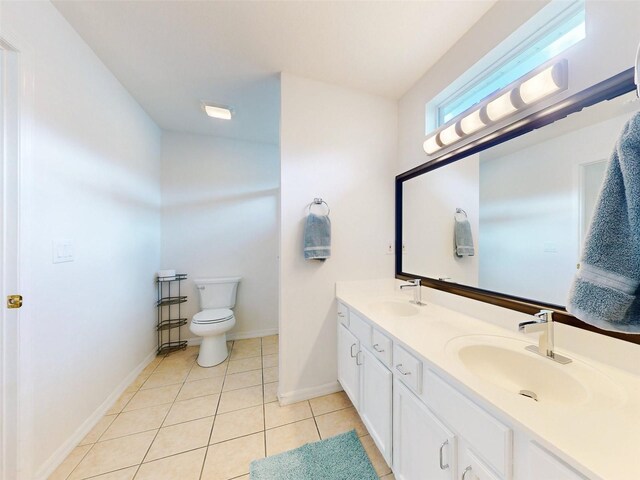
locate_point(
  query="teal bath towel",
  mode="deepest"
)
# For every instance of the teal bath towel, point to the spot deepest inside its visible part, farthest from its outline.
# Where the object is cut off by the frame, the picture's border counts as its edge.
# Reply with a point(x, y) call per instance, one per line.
point(605, 289)
point(317, 237)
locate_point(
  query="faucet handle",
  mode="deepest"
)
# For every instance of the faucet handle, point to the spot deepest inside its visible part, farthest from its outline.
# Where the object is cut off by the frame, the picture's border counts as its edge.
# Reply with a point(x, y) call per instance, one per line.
point(544, 315)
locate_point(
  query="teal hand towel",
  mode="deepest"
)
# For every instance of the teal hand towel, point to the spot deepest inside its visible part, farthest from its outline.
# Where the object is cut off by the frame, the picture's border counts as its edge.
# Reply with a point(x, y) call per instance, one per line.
point(605, 289)
point(463, 238)
point(317, 237)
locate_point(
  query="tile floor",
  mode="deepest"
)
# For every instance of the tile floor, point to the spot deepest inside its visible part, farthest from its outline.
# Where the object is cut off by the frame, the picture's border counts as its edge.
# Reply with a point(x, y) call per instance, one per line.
point(178, 421)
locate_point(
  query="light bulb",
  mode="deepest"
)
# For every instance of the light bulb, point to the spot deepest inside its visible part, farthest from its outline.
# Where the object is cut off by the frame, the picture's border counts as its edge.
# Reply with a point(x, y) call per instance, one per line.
point(431, 145)
point(449, 135)
point(471, 123)
point(500, 107)
point(539, 86)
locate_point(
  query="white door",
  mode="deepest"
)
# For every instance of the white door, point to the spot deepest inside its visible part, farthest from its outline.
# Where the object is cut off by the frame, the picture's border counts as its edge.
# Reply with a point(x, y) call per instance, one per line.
point(348, 368)
point(9, 317)
point(423, 448)
point(375, 402)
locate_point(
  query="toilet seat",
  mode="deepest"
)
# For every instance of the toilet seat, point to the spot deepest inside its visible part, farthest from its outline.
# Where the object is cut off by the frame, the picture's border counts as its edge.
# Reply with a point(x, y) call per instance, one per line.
point(215, 315)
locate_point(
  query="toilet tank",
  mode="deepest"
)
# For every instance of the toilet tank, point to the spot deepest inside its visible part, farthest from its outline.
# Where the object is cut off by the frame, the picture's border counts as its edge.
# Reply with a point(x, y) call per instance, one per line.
point(217, 292)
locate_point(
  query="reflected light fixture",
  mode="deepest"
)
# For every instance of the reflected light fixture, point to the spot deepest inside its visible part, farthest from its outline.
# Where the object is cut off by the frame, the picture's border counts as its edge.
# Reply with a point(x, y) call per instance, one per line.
point(520, 95)
point(217, 111)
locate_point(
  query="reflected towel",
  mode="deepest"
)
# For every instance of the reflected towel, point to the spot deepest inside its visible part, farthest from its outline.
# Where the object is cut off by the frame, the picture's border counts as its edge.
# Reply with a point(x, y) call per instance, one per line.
point(463, 238)
point(317, 237)
point(605, 289)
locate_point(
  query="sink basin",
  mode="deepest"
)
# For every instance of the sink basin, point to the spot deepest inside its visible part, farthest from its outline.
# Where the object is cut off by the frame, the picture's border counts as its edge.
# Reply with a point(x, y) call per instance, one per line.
point(503, 362)
point(390, 307)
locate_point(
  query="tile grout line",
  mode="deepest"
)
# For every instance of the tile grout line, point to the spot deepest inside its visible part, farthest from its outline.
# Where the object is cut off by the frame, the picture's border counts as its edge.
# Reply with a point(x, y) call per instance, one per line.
point(264, 408)
point(117, 415)
point(206, 452)
point(163, 420)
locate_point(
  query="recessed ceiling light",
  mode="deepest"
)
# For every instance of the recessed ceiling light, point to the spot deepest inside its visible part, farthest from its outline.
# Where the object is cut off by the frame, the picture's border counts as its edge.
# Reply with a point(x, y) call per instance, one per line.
point(216, 111)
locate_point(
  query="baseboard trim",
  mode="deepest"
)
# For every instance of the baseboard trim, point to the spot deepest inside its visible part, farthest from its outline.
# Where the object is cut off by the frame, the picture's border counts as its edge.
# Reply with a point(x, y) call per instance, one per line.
point(65, 449)
point(237, 336)
point(308, 393)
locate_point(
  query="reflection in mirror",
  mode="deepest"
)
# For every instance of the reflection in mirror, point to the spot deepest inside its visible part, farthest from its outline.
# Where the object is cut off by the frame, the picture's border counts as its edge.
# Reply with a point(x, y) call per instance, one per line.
point(528, 201)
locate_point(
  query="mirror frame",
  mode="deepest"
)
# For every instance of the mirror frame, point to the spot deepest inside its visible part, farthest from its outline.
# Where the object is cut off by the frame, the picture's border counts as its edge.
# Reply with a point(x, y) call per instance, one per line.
point(606, 90)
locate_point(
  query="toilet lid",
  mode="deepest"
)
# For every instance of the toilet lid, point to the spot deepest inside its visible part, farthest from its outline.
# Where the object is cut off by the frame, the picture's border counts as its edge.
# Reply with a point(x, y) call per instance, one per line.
point(213, 316)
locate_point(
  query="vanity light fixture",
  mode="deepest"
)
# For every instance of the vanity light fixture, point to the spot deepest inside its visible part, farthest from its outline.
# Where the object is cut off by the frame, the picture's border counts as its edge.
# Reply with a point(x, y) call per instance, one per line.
point(450, 135)
point(431, 145)
point(501, 107)
point(541, 85)
point(218, 111)
point(472, 122)
point(537, 85)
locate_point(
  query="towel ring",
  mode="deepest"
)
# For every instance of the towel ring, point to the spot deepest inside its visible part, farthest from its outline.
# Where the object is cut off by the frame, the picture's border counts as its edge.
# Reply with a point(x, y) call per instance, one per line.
point(319, 201)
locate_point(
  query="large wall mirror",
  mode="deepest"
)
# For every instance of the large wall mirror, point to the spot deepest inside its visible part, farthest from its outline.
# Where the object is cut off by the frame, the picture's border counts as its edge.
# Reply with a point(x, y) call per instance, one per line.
point(528, 195)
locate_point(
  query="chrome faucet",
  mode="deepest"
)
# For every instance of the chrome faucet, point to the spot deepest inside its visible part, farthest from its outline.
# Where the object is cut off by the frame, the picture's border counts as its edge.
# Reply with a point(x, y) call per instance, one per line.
point(417, 292)
point(543, 324)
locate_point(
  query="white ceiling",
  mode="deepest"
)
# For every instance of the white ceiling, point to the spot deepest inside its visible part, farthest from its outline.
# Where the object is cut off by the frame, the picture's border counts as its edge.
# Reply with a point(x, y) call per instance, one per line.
point(172, 55)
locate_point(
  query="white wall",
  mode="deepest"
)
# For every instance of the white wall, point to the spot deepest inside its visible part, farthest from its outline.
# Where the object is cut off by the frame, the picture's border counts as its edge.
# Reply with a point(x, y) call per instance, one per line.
point(429, 204)
point(338, 144)
point(90, 174)
point(220, 218)
point(610, 46)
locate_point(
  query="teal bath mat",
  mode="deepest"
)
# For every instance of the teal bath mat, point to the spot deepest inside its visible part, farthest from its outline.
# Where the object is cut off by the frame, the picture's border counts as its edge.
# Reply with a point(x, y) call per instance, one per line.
point(337, 458)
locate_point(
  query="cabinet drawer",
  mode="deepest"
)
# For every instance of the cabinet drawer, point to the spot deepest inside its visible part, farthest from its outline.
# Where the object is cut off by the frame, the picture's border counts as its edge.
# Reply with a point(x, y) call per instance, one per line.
point(487, 437)
point(343, 314)
point(360, 328)
point(381, 346)
point(407, 368)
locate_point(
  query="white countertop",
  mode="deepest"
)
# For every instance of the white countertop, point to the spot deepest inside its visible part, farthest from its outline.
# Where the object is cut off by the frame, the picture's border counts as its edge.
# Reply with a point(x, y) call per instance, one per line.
point(602, 440)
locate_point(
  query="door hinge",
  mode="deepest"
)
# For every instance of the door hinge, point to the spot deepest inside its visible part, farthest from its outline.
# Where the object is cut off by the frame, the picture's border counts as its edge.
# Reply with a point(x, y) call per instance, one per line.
point(14, 301)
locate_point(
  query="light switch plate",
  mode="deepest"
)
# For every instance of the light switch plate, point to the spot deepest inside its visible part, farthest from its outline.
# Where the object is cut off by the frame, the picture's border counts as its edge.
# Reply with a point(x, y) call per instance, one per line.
point(62, 251)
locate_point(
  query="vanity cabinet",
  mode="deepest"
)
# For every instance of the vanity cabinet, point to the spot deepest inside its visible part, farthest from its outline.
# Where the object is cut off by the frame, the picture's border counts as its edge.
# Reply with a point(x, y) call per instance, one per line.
point(423, 448)
point(348, 367)
point(423, 427)
point(366, 380)
point(376, 401)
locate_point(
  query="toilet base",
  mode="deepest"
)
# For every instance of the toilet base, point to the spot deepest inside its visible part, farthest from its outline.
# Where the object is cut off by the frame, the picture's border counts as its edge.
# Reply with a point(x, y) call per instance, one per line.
point(213, 350)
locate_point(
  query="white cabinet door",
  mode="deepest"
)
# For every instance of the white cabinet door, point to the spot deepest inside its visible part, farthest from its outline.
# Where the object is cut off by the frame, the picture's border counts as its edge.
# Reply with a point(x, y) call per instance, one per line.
point(423, 448)
point(375, 401)
point(348, 368)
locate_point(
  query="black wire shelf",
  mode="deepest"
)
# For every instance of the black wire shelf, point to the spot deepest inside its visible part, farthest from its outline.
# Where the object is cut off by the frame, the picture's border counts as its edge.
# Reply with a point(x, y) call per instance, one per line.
point(167, 324)
point(170, 319)
point(163, 302)
point(170, 347)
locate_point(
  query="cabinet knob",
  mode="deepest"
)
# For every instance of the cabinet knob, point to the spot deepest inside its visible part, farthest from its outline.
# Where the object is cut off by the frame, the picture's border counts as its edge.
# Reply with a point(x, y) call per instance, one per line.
point(399, 368)
point(377, 348)
point(340, 314)
point(466, 470)
point(442, 466)
point(352, 355)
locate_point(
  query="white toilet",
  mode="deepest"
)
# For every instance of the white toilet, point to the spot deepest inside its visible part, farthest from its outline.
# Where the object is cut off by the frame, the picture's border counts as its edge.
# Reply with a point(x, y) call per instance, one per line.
point(217, 298)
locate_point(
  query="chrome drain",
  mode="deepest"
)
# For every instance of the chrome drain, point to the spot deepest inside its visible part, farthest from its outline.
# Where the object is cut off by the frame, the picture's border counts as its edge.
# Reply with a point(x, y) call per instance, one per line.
point(529, 394)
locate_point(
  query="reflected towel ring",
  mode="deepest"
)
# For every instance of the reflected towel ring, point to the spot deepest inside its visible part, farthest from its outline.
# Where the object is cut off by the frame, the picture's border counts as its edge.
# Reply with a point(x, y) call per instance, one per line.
point(319, 201)
point(459, 210)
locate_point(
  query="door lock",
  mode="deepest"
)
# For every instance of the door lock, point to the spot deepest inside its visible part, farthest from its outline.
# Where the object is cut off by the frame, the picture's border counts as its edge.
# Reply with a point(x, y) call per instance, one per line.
point(14, 301)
